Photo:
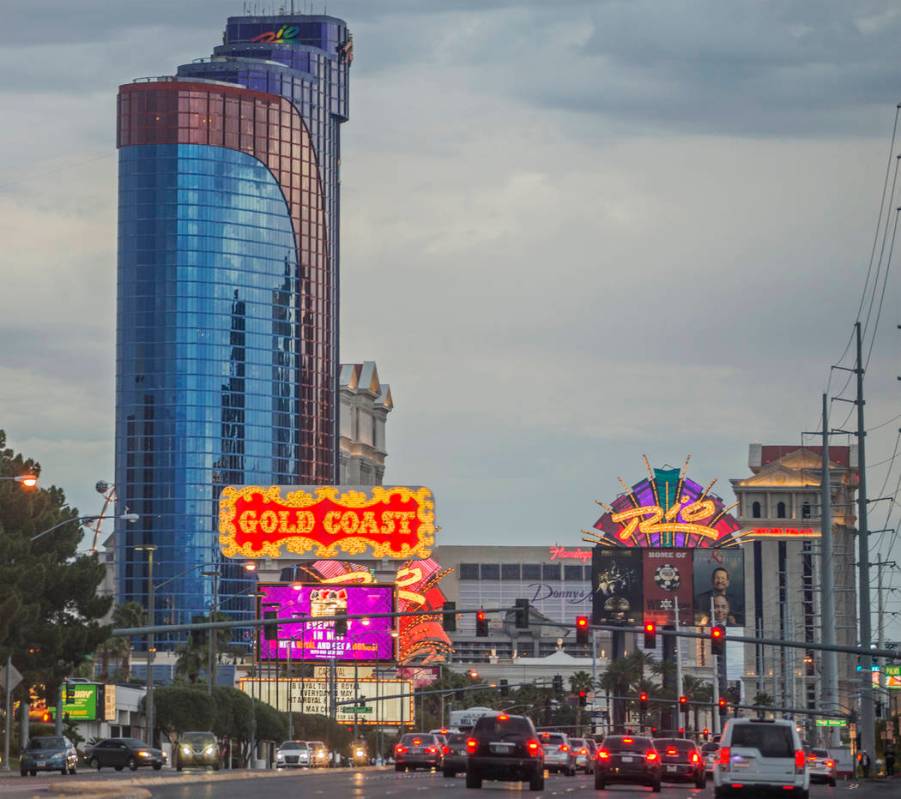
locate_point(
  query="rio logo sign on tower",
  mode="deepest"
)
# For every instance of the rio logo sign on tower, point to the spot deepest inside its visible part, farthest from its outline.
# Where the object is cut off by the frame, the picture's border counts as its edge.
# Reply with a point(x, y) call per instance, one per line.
point(286, 33)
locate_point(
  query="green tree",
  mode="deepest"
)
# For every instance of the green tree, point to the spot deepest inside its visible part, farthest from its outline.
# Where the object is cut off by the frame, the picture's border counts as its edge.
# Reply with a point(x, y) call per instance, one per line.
point(49, 586)
point(180, 708)
point(580, 681)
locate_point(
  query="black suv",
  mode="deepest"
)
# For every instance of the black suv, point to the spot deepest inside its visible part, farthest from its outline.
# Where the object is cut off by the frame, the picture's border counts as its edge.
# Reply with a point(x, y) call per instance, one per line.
point(506, 748)
point(627, 758)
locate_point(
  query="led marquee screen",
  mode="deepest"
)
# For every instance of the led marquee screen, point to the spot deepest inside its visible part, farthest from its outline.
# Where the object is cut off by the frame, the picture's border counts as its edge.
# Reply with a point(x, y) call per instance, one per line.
point(301, 638)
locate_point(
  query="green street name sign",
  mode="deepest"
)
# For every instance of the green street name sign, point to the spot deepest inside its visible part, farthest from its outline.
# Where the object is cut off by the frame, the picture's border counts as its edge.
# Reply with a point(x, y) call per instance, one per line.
point(893, 670)
point(358, 711)
point(831, 723)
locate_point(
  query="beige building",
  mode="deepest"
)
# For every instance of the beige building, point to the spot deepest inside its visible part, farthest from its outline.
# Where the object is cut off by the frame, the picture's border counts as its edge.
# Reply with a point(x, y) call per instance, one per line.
point(781, 498)
point(365, 403)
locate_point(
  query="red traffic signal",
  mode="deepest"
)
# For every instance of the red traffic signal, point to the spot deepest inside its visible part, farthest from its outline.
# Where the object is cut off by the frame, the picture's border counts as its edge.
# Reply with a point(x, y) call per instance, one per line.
point(683, 700)
point(481, 624)
point(582, 630)
point(643, 700)
point(724, 705)
point(718, 640)
point(583, 698)
point(650, 635)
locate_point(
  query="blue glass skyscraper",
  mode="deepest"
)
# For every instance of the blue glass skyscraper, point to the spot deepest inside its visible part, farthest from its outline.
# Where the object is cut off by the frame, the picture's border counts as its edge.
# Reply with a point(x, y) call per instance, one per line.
point(227, 325)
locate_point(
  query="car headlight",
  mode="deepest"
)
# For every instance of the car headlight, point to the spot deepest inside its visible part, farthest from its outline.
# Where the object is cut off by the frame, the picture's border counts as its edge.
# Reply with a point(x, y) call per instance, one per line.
point(186, 750)
point(210, 750)
point(143, 754)
point(360, 753)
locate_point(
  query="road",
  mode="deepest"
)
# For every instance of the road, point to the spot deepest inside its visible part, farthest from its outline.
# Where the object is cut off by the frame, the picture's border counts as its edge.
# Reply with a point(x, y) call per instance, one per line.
point(377, 783)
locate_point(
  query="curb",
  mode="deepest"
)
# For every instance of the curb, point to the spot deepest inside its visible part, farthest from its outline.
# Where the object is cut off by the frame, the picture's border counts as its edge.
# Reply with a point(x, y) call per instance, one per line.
point(91, 790)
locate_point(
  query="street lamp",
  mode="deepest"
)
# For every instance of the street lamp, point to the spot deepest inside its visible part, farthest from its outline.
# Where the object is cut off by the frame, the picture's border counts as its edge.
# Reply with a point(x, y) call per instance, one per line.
point(28, 480)
point(131, 518)
point(150, 549)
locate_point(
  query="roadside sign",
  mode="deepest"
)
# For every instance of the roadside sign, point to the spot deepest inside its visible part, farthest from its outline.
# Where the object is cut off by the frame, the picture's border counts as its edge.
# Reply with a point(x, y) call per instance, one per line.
point(892, 669)
point(831, 723)
point(14, 677)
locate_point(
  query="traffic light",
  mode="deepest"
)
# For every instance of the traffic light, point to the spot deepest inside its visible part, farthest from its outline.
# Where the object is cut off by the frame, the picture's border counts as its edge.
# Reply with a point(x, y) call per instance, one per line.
point(481, 624)
point(522, 614)
point(270, 628)
point(718, 640)
point(643, 701)
point(583, 698)
point(681, 732)
point(449, 619)
point(706, 733)
point(582, 630)
point(724, 706)
point(683, 703)
point(650, 635)
point(504, 687)
point(70, 693)
point(558, 684)
point(340, 623)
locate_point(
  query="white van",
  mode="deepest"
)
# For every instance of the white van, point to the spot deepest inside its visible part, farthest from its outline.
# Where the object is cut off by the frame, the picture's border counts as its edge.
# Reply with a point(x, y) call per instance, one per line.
point(761, 753)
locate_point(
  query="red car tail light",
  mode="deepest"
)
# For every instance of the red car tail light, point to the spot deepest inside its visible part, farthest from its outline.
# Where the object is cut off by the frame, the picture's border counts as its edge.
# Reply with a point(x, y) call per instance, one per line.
point(830, 764)
point(445, 750)
point(603, 754)
point(725, 756)
point(472, 746)
point(564, 747)
point(800, 761)
point(695, 758)
point(417, 741)
point(628, 740)
point(534, 748)
point(431, 750)
point(651, 755)
point(400, 749)
point(671, 751)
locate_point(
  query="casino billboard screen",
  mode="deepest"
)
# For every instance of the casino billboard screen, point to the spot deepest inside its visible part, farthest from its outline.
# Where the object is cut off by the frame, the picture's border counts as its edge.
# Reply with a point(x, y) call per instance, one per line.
point(299, 635)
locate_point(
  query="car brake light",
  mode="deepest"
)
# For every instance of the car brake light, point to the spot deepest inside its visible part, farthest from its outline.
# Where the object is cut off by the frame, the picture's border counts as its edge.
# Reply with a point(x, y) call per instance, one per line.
point(400, 749)
point(564, 748)
point(694, 757)
point(472, 745)
point(725, 756)
point(503, 717)
point(672, 751)
point(800, 761)
point(603, 754)
point(830, 764)
point(431, 750)
point(534, 748)
point(583, 751)
point(628, 740)
point(445, 750)
point(417, 741)
point(788, 787)
point(651, 755)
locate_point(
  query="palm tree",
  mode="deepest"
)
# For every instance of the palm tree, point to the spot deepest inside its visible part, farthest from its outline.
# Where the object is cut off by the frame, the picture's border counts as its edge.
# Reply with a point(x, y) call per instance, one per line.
point(622, 679)
point(697, 691)
point(128, 614)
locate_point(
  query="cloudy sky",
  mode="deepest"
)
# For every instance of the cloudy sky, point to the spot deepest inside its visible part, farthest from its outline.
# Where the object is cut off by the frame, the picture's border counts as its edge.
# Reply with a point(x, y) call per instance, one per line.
point(574, 232)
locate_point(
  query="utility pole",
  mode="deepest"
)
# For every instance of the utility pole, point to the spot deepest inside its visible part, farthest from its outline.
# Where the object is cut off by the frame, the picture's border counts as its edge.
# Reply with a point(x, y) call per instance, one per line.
point(150, 549)
point(829, 692)
point(867, 715)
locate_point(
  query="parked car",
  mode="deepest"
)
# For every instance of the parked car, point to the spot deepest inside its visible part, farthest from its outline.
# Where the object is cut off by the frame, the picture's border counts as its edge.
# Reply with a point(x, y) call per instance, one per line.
point(506, 748)
point(120, 753)
point(821, 766)
point(558, 754)
point(710, 752)
point(681, 761)
point(293, 754)
point(418, 750)
point(197, 749)
point(761, 753)
point(49, 753)
point(455, 757)
point(582, 753)
point(319, 754)
point(628, 759)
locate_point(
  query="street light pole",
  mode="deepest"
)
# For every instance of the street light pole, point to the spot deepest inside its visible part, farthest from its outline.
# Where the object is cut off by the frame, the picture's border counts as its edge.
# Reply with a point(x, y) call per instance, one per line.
point(150, 549)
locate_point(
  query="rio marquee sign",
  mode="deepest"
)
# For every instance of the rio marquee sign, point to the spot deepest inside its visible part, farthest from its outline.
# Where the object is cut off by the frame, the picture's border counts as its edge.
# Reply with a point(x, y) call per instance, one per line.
point(667, 510)
point(325, 521)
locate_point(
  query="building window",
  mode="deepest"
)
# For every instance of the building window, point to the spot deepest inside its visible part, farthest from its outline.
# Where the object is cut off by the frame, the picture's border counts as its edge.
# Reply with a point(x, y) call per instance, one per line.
point(550, 571)
point(805, 510)
point(531, 571)
point(491, 571)
point(469, 571)
point(572, 573)
point(510, 571)
point(755, 510)
point(780, 510)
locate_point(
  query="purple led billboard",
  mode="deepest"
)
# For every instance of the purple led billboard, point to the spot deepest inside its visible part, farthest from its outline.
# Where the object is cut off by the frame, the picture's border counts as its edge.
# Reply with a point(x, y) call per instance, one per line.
point(301, 638)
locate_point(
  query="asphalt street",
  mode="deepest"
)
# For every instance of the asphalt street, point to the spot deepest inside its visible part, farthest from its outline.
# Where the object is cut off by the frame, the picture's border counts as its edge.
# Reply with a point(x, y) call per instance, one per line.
point(349, 784)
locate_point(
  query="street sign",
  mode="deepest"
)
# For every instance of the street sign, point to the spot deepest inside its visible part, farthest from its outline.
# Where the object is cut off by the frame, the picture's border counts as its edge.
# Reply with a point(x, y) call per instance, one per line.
point(892, 669)
point(14, 677)
point(831, 723)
